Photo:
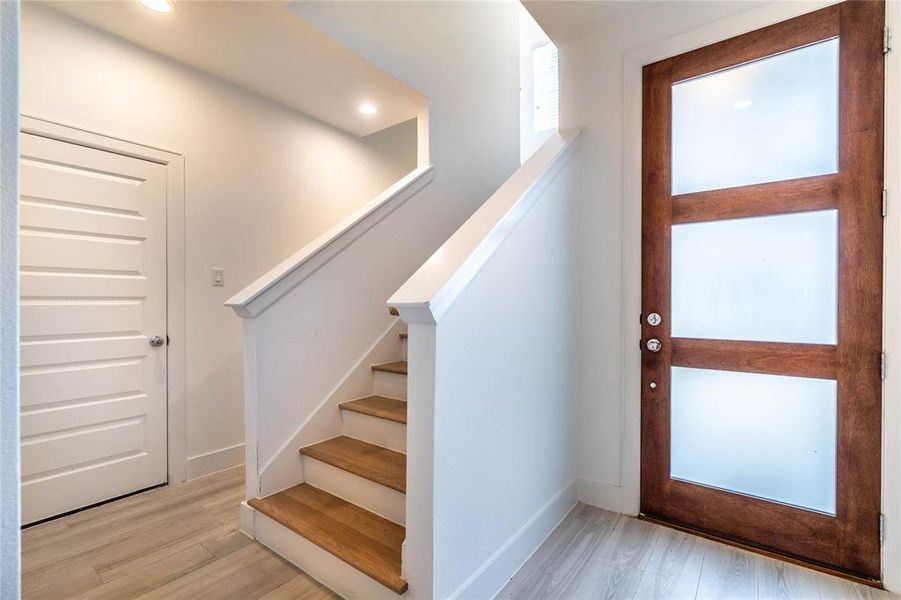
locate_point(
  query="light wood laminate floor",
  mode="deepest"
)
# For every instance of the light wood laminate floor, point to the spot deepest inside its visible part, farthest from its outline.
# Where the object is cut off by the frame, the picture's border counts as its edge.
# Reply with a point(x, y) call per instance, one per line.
point(173, 542)
point(599, 554)
point(182, 542)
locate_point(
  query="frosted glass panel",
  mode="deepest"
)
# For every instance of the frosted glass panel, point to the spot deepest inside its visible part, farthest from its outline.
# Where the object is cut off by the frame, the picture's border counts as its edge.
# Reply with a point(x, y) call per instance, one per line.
point(767, 436)
point(769, 120)
point(761, 279)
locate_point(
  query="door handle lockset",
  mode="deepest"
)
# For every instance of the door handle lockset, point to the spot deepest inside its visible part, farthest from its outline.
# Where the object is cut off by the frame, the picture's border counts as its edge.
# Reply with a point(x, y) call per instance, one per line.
point(654, 345)
point(157, 341)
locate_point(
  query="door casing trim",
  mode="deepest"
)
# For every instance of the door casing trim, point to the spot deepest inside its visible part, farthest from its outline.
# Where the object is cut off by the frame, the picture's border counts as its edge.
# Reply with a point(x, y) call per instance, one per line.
point(176, 440)
point(630, 399)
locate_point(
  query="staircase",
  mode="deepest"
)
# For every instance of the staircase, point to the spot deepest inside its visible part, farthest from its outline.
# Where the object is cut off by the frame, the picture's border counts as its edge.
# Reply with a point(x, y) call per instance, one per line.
point(352, 502)
point(325, 391)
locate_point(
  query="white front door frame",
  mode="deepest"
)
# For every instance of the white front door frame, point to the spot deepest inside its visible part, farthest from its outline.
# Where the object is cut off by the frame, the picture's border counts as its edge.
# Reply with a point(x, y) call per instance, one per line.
point(175, 267)
point(630, 400)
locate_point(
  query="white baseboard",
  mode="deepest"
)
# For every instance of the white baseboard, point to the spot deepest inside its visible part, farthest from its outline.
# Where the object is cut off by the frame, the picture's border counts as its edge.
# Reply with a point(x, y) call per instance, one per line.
point(494, 574)
point(217, 460)
point(600, 494)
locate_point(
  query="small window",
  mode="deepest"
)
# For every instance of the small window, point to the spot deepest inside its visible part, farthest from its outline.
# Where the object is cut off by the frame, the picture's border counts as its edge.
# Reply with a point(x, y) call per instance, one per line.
point(546, 82)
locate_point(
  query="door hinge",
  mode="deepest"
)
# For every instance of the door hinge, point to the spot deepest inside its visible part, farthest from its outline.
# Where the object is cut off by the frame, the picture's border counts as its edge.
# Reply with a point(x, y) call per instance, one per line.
point(886, 40)
point(881, 528)
point(884, 202)
point(882, 365)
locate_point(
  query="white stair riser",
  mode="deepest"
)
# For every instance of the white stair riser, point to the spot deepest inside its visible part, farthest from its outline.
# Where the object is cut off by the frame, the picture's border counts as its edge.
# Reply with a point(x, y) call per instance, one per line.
point(367, 494)
point(319, 564)
point(390, 385)
point(375, 430)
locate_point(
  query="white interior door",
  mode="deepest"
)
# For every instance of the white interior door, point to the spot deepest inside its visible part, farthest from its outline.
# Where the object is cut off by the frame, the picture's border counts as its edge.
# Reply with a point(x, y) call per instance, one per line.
point(93, 293)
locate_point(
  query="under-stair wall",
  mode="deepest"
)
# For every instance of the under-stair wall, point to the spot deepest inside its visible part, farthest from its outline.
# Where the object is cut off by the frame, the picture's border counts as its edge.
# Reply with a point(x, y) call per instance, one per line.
point(312, 325)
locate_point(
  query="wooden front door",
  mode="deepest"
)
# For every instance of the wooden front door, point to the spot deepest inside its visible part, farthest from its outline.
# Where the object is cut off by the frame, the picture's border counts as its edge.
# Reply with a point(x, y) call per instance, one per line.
point(762, 288)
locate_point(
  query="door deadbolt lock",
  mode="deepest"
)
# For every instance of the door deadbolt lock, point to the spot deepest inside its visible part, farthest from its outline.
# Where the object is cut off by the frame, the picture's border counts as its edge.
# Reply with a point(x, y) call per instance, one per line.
point(654, 319)
point(654, 345)
point(157, 341)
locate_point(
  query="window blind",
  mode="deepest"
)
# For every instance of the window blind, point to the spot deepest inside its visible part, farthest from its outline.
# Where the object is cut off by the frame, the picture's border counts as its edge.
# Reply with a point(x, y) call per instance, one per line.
point(546, 87)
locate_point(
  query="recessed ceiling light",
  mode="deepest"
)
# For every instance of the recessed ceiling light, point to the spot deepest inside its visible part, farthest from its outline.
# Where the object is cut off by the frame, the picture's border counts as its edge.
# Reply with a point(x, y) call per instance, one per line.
point(741, 104)
point(160, 6)
point(367, 109)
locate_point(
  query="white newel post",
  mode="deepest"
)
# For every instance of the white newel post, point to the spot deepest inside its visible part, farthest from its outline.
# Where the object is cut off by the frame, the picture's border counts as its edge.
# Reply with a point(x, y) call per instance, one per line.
point(252, 475)
point(417, 557)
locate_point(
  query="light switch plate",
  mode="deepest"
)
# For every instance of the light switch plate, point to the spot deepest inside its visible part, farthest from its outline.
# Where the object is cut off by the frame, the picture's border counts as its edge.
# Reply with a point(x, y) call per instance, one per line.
point(218, 277)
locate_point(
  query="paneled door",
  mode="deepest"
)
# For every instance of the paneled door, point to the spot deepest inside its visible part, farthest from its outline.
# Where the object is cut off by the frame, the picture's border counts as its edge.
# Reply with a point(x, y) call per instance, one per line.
point(762, 288)
point(93, 296)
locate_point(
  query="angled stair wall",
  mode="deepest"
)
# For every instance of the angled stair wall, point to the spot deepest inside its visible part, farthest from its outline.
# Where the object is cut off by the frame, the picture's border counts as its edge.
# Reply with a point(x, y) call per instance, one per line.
point(312, 322)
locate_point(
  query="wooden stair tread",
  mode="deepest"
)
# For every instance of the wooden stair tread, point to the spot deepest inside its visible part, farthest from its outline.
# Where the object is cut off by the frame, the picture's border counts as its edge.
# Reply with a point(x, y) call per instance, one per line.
point(362, 539)
point(369, 461)
point(379, 406)
point(393, 311)
point(403, 336)
point(399, 367)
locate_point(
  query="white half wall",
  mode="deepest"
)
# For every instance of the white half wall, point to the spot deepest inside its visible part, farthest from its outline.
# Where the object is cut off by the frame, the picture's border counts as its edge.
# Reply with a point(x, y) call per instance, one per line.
point(490, 411)
point(261, 180)
point(9, 300)
point(503, 412)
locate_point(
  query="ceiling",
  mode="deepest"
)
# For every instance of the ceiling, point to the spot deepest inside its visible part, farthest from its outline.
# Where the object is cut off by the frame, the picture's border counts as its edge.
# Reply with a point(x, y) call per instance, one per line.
point(567, 20)
point(264, 47)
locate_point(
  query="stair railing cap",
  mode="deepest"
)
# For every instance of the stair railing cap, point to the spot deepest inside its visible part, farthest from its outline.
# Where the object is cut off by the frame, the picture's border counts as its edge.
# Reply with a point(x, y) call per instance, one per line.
point(432, 289)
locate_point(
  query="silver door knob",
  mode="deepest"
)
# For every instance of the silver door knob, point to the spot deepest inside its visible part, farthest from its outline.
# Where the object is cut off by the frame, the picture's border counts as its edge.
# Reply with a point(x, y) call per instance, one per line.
point(654, 319)
point(654, 345)
point(157, 341)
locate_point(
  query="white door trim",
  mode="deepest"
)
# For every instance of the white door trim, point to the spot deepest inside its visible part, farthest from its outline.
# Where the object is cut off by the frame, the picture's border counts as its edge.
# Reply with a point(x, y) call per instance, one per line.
point(630, 399)
point(175, 266)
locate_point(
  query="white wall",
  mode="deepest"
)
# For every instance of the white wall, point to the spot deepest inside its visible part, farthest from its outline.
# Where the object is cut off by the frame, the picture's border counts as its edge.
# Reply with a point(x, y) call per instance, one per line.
point(9, 300)
point(463, 56)
point(261, 180)
point(504, 419)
